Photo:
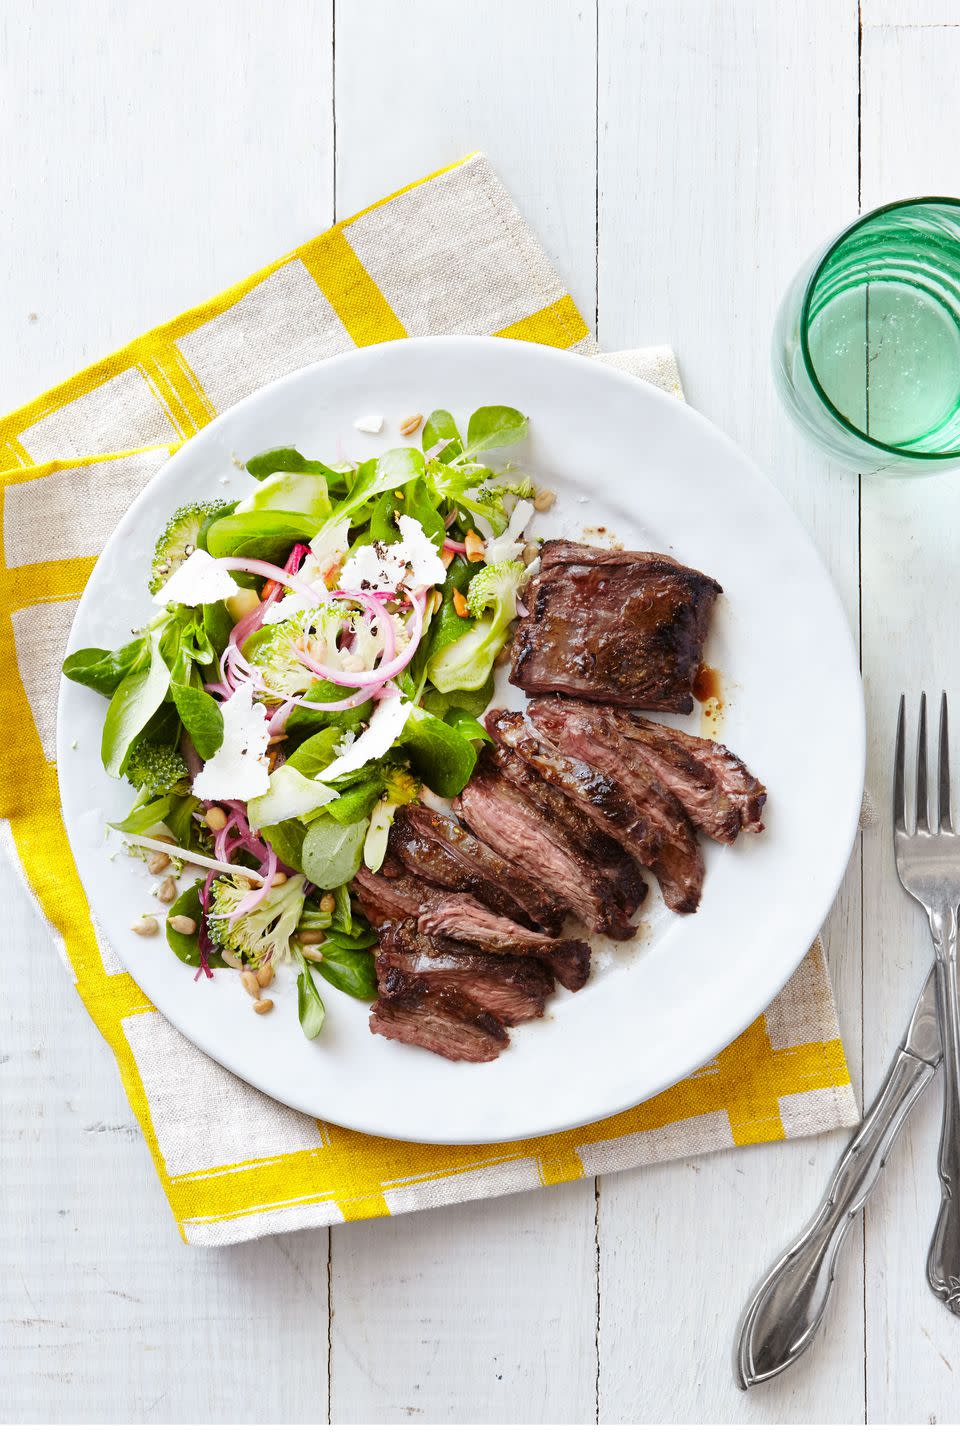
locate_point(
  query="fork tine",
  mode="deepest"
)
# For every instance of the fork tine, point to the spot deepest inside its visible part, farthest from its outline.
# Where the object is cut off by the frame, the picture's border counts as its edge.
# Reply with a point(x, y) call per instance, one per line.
point(943, 770)
point(923, 824)
point(899, 801)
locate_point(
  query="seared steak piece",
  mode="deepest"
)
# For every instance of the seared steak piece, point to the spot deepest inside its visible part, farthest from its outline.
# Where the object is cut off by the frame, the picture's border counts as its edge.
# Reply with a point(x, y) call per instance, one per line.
point(620, 626)
point(503, 816)
point(729, 776)
point(443, 853)
point(715, 788)
point(605, 852)
point(481, 983)
point(437, 1020)
point(591, 733)
point(461, 918)
point(513, 990)
point(599, 796)
point(713, 785)
point(394, 897)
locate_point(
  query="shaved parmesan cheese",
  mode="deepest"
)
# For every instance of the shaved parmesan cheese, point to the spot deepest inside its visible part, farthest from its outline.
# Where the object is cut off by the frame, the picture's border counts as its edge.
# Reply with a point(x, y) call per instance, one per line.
point(200, 580)
point(238, 770)
point(421, 553)
point(509, 546)
point(412, 560)
point(290, 794)
point(369, 424)
point(384, 729)
point(373, 567)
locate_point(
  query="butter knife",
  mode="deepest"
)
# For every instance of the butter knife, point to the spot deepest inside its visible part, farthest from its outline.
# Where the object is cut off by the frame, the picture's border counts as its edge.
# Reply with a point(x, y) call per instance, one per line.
point(788, 1307)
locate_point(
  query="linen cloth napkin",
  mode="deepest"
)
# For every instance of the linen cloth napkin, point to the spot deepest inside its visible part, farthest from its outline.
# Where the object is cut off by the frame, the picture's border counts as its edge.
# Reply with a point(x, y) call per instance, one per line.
point(449, 254)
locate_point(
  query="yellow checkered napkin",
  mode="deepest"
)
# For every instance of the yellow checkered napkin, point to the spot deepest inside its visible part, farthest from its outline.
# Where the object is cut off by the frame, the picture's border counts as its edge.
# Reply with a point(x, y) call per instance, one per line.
point(447, 255)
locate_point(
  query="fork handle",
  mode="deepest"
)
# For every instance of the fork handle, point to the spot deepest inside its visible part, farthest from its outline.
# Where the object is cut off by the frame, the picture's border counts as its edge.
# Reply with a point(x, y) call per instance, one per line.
point(787, 1308)
point(943, 1260)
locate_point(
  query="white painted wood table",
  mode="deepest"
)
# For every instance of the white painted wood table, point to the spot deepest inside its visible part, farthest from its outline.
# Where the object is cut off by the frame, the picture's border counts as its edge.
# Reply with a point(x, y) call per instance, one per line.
point(679, 158)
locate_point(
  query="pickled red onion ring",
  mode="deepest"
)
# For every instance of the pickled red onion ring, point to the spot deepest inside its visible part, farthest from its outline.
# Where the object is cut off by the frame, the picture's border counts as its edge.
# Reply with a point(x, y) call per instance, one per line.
point(383, 672)
point(271, 572)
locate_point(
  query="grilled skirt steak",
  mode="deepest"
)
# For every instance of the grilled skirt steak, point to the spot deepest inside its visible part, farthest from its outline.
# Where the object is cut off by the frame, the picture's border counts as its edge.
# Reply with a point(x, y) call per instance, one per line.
point(504, 817)
point(437, 1020)
point(591, 733)
point(443, 853)
point(602, 798)
point(513, 990)
point(619, 626)
point(730, 777)
point(715, 788)
point(463, 919)
point(605, 852)
point(394, 897)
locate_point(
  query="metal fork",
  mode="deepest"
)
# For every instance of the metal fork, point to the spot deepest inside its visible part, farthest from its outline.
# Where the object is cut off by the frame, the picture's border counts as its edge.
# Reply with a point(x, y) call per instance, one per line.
point(787, 1308)
point(928, 863)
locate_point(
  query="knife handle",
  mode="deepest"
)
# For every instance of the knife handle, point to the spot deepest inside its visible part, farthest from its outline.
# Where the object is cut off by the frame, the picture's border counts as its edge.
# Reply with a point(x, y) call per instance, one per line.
point(943, 1260)
point(788, 1306)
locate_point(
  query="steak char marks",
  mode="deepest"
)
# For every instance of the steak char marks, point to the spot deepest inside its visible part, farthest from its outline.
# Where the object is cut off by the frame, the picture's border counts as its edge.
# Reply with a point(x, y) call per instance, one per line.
point(618, 626)
point(462, 919)
point(556, 806)
point(600, 797)
point(731, 778)
point(512, 989)
point(591, 733)
point(713, 785)
point(436, 1019)
point(443, 853)
point(395, 896)
point(505, 817)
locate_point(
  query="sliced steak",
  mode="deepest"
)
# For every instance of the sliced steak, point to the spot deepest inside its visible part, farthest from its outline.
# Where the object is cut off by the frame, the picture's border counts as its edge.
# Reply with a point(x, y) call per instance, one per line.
point(460, 917)
point(513, 990)
point(503, 816)
point(443, 853)
point(713, 785)
point(394, 897)
point(437, 1020)
point(598, 795)
point(591, 733)
point(694, 783)
point(605, 852)
point(619, 626)
point(730, 777)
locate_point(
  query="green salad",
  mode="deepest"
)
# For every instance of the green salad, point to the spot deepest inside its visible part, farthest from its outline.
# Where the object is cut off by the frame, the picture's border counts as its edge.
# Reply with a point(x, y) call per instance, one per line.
point(319, 656)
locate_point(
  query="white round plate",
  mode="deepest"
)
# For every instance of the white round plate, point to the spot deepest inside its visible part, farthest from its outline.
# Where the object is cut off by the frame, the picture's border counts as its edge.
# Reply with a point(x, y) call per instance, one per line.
point(622, 455)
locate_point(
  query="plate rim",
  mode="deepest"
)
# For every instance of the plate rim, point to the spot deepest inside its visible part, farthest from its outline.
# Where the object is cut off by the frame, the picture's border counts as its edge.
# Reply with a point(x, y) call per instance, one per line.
point(715, 436)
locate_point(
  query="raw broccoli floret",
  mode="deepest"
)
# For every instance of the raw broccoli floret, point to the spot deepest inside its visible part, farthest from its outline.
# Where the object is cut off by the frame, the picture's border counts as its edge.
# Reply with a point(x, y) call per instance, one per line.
point(520, 485)
point(465, 663)
point(155, 767)
point(179, 538)
point(277, 650)
point(260, 934)
point(274, 650)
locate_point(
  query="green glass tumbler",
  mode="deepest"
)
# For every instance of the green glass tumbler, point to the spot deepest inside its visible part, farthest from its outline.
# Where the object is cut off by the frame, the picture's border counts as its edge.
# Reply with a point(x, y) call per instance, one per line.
point(866, 351)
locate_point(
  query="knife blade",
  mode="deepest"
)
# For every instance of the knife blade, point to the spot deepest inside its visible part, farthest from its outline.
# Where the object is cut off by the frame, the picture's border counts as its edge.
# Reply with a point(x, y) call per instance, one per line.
point(922, 1035)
